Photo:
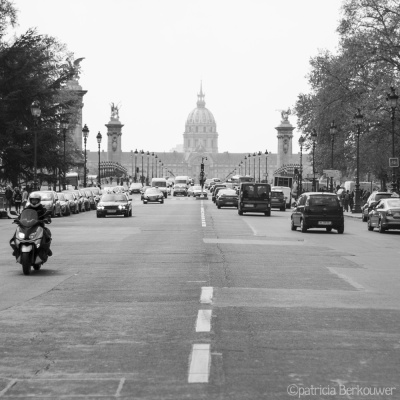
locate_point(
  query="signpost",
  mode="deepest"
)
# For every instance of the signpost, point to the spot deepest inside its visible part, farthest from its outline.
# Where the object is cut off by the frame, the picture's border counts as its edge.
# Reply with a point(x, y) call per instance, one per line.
point(393, 162)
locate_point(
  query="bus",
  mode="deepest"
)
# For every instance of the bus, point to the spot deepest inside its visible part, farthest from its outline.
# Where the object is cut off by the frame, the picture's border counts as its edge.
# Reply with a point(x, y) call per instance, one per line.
point(72, 180)
point(238, 179)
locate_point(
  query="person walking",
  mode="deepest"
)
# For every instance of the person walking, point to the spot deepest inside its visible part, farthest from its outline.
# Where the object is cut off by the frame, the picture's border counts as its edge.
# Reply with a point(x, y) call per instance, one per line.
point(346, 201)
point(25, 195)
point(17, 200)
point(9, 196)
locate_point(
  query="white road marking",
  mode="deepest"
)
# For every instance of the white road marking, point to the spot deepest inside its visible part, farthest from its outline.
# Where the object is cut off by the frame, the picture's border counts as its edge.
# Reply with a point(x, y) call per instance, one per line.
point(203, 217)
point(203, 323)
point(346, 279)
point(199, 368)
point(253, 229)
point(265, 242)
point(120, 386)
point(206, 295)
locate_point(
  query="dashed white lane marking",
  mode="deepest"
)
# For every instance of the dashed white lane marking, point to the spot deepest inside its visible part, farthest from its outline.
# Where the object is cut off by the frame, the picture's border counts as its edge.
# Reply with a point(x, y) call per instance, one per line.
point(203, 217)
point(206, 295)
point(346, 279)
point(199, 368)
point(203, 323)
point(120, 386)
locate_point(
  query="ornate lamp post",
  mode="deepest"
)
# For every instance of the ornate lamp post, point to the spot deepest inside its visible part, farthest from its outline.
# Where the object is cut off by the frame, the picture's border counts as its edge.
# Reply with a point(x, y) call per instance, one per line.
point(301, 142)
point(152, 165)
point(259, 166)
point(266, 166)
point(148, 169)
point(332, 131)
point(142, 176)
point(35, 111)
point(132, 164)
point(85, 132)
point(254, 166)
point(358, 119)
point(64, 126)
point(98, 137)
point(314, 137)
point(135, 153)
point(160, 164)
point(249, 158)
point(156, 163)
point(245, 164)
point(392, 99)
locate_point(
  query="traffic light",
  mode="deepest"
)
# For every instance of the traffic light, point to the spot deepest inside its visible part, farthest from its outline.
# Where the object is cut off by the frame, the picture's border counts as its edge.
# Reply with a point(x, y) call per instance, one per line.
point(202, 167)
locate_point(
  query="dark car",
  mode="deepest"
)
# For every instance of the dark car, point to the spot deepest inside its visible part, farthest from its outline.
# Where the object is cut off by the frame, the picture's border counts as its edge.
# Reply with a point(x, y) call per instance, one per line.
point(372, 201)
point(318, 210)
point(254, 198)
point(385, 215)
point(73, 202)
point(215, 186)
point(180, 190)
point(278, 200)
point(227, 198)
point(114, 204)
point(91, 197)
point(216, 191)
point(153, 195)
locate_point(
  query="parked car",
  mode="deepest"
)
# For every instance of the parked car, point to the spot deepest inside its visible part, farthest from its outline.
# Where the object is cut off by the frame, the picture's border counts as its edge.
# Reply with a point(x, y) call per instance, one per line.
point(64, 203)
point(114, 204)
point(50, 201)
point(91, 197)
point(227, 198)
point(135, 187)
point(317, 210)
point(372, 201)
point(278, 200)
point(154, 195)
point(81, 199)
point(385, 215)
point(73, 202)
point(96, 193)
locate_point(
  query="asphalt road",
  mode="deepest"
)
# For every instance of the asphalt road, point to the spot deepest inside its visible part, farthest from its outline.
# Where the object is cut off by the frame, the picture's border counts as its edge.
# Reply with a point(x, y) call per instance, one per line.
point(185, 301)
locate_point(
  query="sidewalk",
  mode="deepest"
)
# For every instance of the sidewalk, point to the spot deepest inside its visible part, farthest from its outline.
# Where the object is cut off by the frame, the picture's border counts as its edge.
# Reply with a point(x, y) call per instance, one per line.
point(349, 214)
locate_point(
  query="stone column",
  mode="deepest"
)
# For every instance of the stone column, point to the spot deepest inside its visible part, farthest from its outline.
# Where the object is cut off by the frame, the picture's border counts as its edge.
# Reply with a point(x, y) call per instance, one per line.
point(285, 137)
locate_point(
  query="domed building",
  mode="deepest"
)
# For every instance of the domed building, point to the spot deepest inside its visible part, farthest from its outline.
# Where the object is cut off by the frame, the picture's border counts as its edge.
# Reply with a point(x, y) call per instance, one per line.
point(200, 129)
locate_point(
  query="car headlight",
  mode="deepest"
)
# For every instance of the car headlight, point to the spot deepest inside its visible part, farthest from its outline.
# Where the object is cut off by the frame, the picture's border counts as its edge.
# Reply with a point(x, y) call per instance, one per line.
point(100, 207)
point(21, 235)
point(32, 235)
point(122, 206)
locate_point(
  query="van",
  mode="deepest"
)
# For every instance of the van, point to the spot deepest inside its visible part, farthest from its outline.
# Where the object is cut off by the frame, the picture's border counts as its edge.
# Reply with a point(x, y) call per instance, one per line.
point(182, 180)
point(254, 198)
point(161, 183)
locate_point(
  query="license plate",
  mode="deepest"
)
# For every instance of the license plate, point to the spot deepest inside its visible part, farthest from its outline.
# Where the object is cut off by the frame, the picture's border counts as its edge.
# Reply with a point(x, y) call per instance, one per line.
point(111, 211)
point(324, 222)
point(228, 202)
point(397, 214)
point(249, 205)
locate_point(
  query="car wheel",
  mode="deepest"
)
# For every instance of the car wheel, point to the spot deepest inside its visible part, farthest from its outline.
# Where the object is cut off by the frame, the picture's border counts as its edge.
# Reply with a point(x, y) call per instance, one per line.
point(370, 227)
point(144, 202)
point(303, 226)
point(293, 227)
point(364, 218)
point(126, 215)
point(267, 213)
point(381, 229)
point(283, 209)
point(329, 229)
point(218, 206)
point(341, 229)
point(162, 202)
point(240, 212)
point(53, 213)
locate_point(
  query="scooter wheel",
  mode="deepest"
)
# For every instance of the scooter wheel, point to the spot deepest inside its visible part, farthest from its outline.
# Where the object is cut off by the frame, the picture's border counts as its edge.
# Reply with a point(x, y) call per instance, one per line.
point(26, 263)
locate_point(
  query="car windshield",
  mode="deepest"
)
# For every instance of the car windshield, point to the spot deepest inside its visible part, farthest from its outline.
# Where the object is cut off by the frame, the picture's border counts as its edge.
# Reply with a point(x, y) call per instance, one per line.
point(113, 197)
point(46, 196)
point(276, 194)
point(255, 192)
point(393, 203)
point(227, 192)
point(152, 191)
point(159, 184)
point(330, 201)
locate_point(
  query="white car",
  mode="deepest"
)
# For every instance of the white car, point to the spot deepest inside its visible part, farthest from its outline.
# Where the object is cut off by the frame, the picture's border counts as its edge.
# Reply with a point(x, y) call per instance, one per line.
point(198, 192)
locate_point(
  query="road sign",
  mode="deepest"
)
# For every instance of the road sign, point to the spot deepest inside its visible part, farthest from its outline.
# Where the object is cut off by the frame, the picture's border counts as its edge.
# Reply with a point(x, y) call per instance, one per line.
point(393, 162)
point(332, 173)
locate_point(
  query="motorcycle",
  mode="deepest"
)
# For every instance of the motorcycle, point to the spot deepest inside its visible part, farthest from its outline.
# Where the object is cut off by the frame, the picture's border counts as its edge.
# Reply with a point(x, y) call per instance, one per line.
point(29, 243)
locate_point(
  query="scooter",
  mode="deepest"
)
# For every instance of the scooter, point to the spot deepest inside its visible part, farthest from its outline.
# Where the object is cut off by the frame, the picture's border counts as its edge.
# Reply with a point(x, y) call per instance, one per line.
point(29, 244)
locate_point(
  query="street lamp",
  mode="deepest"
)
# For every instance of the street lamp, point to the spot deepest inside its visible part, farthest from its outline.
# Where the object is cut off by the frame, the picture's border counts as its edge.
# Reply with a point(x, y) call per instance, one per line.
point(156, 163)
point(332, 131)
point(35, 111)
point(160, 165)
point(245, 164)
point(98, 137)
point(314, 137)
point(85, 132)
point(249, 158)
point(392, 99)
point(148, 169)
point(64, 126)
point(142, 176)
point(358, 119)
point(136, 153)
point(254, 166)
point(301, 142)
point(152, 165)
point(266, 166)
point(259, 166)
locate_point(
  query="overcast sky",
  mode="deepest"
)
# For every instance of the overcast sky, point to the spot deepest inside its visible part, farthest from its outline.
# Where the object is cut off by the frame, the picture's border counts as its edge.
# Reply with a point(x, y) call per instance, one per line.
point(150, 56)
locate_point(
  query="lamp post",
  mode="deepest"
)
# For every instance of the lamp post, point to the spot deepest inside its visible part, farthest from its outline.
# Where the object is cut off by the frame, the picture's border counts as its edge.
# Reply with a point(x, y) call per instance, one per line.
point(332, 131)
point(142, 176)
point(135, 153)
point(160, 171)
point(35, 111)
point(98, 137)
point(152, 165)
point(64, 126)
point(358, 119)
point(249, 158)
point(156, 163)
point(259, 166)
point(132, 164)
point(314, 137)
point(301, 142)
point(245, 164)
point(85, 132)
point(392, 99)
point(266, 165)
point(254, 166)
point(148, 169)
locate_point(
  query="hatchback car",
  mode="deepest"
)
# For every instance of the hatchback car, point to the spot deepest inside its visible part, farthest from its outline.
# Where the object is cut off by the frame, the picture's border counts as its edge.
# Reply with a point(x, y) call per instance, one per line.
point(153, 195)
point(73, 202)
point(227, 198)
point(216, 189)
point(91, 197)
point(278, 200)
point(385, 215)
point(82, 200)
point(317, 210)
point(135, 187)
point(50, 201)
point(64, 203)
point(372, 201)
point(114, 204)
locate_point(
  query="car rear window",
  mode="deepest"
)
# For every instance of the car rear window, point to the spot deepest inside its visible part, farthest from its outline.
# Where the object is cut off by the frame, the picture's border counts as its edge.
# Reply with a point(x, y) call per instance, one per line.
point(382, 196)
point(255, 192)
point(393, 203)
point(277, 194)
point(330, 201)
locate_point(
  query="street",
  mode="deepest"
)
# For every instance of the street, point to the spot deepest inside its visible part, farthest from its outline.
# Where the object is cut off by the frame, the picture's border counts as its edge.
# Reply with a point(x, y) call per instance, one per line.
point(187, 301)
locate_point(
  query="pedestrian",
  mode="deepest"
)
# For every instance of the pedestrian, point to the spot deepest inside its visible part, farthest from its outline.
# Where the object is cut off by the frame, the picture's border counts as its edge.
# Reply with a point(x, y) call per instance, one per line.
point(25, 195)
point(9, 196)
point(346, 201)
point(17, 200)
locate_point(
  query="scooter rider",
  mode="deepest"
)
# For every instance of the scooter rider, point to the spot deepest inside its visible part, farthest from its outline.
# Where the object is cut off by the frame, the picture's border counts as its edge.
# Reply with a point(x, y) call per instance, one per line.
point(34, 203)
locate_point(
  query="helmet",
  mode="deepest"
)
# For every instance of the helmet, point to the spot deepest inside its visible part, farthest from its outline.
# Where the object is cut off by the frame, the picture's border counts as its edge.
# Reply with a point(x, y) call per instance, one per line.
point(35, 199)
